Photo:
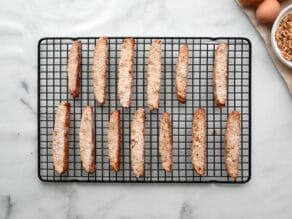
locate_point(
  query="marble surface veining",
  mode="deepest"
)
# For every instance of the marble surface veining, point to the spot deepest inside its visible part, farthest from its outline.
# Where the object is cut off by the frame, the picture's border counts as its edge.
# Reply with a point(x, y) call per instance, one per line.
point(22, 195)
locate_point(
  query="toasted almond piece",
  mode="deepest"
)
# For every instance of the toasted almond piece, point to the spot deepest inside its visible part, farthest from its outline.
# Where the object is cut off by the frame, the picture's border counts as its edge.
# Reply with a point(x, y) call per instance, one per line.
point(153, 75)
point(74, 68)
point(99, 69)
point(220, 74)
point(60, 143)
point(232, 144)
point(126, 72)
point(199, 142)
point(87, 140)
point(114, 139)
point(137, 142)
point(165, 142)
point(182, 74)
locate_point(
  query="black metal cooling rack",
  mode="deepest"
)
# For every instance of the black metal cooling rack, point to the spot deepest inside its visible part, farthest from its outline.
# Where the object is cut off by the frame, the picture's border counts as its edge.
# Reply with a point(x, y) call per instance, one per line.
point(52, 89)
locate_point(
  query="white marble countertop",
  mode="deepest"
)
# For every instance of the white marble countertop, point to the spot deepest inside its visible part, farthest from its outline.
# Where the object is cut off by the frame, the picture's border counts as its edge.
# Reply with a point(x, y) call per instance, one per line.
point(23, 195)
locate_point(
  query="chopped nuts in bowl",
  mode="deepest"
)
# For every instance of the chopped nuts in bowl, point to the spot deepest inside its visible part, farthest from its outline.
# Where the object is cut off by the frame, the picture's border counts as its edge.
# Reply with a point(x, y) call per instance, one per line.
point(281, 36)
point(284, 37)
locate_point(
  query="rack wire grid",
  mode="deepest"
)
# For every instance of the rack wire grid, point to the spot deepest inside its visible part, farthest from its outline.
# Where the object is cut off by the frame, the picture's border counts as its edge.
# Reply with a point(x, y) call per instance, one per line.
point(52, 89)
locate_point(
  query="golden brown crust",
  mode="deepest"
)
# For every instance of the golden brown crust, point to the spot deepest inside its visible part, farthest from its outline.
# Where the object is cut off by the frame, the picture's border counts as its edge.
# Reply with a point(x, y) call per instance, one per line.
point(165, 142)
point(99, 69)
point(232, 144)
point(153, 75)
point(87, 140)
point(220, 74)
point(182, 74)
point(60, 143)
point(74, 68)
point(126, 72)
point(137, 142)
point(199, 142)
point(114, 139)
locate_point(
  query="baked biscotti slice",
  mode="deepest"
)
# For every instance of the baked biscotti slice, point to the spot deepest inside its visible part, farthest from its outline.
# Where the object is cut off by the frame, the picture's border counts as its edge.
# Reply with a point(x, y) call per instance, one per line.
point(232, 144)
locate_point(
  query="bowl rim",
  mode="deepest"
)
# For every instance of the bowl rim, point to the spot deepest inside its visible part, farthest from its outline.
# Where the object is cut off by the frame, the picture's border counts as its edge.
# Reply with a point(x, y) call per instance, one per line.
point(273, 39)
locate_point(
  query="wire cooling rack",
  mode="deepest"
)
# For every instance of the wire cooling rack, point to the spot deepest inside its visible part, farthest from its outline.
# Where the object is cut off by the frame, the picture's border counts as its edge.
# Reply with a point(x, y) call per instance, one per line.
point(52, 89)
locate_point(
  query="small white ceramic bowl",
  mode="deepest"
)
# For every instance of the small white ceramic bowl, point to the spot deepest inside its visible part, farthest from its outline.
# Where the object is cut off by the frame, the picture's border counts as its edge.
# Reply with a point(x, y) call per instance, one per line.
point(283, 13)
